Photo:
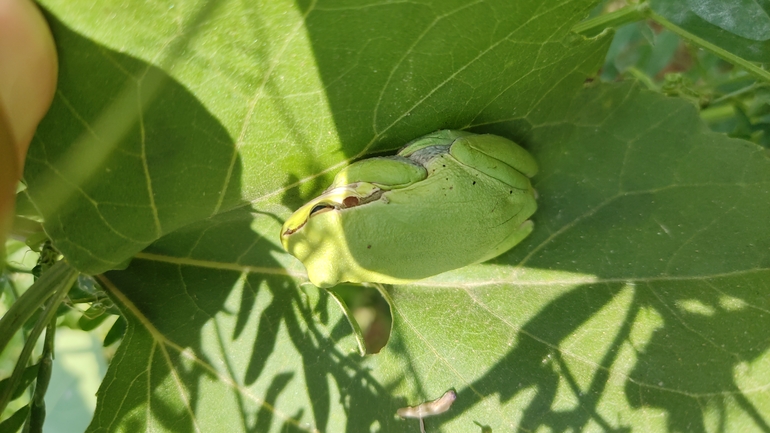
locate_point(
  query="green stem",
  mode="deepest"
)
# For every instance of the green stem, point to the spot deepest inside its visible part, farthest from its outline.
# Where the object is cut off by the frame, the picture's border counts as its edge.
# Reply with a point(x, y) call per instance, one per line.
point(14, 270)
point(642, 77)
point(36, 417)
point(61, 286)
point(717, 114)
point(14, 290)
point(596, 25)
point(31, 300)
point(706, 45)
point(745, 90)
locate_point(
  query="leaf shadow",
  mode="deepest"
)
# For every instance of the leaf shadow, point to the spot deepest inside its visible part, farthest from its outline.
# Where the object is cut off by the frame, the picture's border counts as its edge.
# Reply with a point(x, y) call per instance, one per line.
point(685, 367)
point(688, 350)
point(106, 162)
point(693, 365)
point(253, 318)
point(207, 302)
point(537, 362)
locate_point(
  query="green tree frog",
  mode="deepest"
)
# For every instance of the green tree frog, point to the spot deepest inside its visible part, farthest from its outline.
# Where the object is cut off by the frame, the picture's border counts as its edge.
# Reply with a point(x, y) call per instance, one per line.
point(446, 200)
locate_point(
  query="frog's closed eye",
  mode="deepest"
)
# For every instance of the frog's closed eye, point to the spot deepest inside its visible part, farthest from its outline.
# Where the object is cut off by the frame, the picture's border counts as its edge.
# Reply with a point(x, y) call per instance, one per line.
point(321, 208)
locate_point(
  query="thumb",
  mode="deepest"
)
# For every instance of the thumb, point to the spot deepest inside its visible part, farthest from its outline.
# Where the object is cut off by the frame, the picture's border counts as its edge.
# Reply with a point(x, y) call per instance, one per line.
point(28, 70)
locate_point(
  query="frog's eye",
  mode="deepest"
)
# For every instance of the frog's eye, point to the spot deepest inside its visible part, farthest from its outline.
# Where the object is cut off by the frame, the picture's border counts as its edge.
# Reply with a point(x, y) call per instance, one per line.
point(347, 202)
point(321, 208)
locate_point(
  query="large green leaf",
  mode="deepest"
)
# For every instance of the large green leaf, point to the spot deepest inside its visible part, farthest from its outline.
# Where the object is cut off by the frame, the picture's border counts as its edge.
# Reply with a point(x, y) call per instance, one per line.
point(639, 300)
point(167, 115)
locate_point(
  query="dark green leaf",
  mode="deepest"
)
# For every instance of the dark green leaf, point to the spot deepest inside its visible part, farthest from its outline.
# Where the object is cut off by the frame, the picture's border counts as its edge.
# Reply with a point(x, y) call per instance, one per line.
point(14, 422)
point(92, 317)
point(681, 13)
point(29, 375)
point(744, 18)
point(116, 332)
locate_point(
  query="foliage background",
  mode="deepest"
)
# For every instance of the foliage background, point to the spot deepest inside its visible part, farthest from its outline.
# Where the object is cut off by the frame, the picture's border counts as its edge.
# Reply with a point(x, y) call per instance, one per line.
point(184, 133)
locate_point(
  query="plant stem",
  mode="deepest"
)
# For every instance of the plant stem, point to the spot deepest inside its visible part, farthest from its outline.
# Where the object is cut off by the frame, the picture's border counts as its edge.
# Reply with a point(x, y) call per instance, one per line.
point(706, 45)
point(66, 276)
point(748, 89)
point(29, 302)
point(34, 423)
point(642, 77)
point(36, 417)
point(14, 270)
point(614, 19)
point(717, 114)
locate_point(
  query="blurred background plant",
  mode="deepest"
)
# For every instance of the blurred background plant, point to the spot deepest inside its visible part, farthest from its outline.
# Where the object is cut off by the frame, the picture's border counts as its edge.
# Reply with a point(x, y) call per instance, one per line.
point(87, 328)
point(680, 48)
point(667, 49)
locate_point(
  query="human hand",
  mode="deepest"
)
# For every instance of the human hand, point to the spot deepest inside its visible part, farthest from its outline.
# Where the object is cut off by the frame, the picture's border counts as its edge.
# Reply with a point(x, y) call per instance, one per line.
point(28, 71)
